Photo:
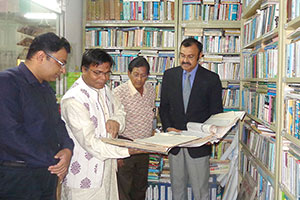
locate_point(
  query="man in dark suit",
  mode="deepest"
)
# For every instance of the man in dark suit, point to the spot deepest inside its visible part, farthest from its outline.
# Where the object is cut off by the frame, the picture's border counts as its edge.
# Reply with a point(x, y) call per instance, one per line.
point(189, 93)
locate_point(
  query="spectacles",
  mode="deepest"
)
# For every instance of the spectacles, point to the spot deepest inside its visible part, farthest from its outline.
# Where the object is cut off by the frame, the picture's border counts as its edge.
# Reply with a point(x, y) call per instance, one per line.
point(189, 57)
point(99, 73)
point(62, 64)
point(136, 75)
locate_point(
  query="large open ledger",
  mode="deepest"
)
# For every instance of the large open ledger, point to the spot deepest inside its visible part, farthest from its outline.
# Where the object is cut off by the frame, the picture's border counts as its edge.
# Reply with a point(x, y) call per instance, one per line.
point(198, 134)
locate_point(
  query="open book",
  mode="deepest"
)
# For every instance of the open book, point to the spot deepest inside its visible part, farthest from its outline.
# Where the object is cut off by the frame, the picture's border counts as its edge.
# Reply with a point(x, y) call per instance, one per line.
point(198, 134)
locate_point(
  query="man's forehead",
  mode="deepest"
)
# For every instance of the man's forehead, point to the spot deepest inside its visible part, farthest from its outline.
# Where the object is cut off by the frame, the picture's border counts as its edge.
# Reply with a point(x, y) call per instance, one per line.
point(101, 67)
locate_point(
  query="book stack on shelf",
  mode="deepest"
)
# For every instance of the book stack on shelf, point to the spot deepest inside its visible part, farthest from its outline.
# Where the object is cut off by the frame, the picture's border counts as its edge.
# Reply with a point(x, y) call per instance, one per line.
point(154, 170)
point(99, 10)
point(211, 10)
point(231, 96)
point(290, 169)
point(259, 100)
point(165, 172)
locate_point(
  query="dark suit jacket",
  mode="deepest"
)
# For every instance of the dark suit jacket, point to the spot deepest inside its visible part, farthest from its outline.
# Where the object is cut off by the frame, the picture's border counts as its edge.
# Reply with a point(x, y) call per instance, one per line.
point(205, 100)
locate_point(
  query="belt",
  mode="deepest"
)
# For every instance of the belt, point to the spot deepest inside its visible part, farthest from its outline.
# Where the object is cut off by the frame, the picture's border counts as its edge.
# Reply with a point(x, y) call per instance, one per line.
point(13, 164)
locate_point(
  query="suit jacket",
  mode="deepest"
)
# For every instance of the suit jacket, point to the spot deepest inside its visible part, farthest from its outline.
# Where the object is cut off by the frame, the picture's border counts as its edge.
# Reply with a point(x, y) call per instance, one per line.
point(205, 100)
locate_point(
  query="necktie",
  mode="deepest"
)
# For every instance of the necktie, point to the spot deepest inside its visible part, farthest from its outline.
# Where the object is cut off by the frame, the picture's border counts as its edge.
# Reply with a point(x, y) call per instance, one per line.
point(186, 90)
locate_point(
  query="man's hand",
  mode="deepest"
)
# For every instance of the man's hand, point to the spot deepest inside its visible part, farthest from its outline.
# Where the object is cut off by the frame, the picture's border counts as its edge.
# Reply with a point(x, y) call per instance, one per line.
point(112, 127)
point(120, 162)
point(173, 129)
point(61, 168)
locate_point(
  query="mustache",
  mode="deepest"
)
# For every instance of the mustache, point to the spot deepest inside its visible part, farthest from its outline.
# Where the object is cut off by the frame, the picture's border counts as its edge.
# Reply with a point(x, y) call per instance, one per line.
point(186, 63)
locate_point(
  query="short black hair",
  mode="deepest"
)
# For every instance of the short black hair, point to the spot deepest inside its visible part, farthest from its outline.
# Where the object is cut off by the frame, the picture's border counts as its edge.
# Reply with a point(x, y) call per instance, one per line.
point(190, 41)
point(48, 42)
point(139, 61)
point(95, 57)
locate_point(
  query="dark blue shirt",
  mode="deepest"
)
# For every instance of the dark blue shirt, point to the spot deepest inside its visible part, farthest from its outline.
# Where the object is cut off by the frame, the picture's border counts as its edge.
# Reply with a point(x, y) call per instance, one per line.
point(31, 129)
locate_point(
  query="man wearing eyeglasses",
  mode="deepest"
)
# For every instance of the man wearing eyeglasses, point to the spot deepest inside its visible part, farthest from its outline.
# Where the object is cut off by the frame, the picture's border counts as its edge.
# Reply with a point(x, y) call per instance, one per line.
point(35, 147)
point(91, 112)
point(189, 93)
point(138, 99)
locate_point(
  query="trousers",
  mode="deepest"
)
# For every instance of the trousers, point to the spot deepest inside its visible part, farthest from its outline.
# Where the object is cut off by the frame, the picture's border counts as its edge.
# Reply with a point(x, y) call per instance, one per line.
point(24, 183)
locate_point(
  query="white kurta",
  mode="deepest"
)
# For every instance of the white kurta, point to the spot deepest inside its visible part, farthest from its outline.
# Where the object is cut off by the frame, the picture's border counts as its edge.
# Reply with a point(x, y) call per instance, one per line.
point(86, 179)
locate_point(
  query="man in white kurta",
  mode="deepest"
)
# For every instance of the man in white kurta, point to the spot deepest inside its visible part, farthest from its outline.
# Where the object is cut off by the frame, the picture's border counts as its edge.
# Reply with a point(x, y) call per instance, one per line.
point(91, 112)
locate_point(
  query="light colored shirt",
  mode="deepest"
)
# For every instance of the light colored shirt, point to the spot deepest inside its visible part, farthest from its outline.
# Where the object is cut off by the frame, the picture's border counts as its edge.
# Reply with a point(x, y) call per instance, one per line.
point(77, 116)
point(140, 109)
point(85, 111)
point(192, 77)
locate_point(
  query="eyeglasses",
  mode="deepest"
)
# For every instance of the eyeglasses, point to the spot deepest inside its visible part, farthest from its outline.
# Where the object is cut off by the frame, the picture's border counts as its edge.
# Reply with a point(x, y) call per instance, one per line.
point(136, 75)
point(99, 73)
point(62, 64)
point(189, 57)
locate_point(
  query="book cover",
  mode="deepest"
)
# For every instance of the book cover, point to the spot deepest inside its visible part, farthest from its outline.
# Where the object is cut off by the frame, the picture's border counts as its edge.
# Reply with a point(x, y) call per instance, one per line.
point(198, 134)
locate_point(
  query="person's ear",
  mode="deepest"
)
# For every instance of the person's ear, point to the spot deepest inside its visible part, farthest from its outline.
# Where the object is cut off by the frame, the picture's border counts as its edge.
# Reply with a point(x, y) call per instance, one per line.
point(40, 56)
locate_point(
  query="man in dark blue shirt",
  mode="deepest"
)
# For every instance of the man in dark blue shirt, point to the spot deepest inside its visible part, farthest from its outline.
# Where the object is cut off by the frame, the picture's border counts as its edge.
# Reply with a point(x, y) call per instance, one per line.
point(35, 147)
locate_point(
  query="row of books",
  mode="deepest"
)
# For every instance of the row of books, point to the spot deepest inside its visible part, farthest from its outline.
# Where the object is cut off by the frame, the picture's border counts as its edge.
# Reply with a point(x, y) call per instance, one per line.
point(230, 97)
point(129, 10)
point(260, 128)
point(260, 146)
point(209, 1)
point(290, 169)
point(293, 58)
point(259, 100)
point(154, 80)
point(206, 12)
point(292, 112)
point(211, 31)
point(261, 23)
point(226, 70)
point(130, 37)
point(162, 191)
point(165, 171)
point(158, 62)
point(261, 63)
point(255, 184)
point(218, 150)
point(219, 44)
point(293, 9)
point(216, 40)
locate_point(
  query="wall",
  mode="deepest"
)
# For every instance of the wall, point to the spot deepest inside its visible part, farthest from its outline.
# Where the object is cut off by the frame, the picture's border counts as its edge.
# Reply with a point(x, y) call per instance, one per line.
point(73, 32)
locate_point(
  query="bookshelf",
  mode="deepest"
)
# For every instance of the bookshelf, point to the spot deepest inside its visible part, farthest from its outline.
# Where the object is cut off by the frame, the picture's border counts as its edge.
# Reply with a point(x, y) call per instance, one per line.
point(217, 26)
point(269, 93)
point(289, 140)
point(260, 89)
point(126, 29)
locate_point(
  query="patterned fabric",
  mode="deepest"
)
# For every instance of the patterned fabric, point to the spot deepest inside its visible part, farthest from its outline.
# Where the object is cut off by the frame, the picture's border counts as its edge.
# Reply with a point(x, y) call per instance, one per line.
point(86, 171)
point(139, 109)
